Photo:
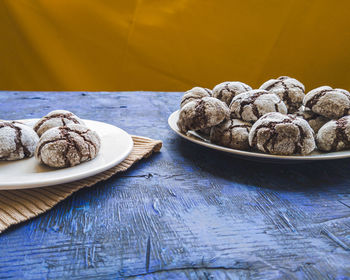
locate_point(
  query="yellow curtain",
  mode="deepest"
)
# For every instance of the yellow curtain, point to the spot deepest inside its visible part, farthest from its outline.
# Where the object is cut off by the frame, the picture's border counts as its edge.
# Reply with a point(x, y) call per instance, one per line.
point(171, 45)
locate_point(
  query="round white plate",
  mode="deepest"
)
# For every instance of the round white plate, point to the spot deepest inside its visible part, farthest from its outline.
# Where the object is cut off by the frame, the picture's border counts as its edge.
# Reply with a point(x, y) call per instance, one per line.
point(199, 139)
point(116, 145)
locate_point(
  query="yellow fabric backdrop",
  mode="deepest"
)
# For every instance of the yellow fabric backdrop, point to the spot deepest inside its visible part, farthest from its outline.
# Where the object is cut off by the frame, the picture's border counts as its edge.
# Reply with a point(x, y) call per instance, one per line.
point(171, 44)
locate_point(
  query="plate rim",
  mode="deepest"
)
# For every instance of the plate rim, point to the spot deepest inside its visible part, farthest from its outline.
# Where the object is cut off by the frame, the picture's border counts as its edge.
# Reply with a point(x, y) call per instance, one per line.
point(72, 178)
point(254, 155)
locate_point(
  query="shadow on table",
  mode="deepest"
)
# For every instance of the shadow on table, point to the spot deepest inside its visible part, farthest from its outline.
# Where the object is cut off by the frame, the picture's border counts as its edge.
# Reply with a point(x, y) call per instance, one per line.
point(308, 176)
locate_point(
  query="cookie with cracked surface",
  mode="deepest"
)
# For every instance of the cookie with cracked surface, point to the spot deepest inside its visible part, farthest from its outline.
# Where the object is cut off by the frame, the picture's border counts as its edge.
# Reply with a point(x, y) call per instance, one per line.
point(328, 102)
point(251, 105)
point(202, 113)
point(231, 133)
point(316, 121)
point(334, 135)
point(195, 94)
point(280, 134)
point(54, 119)
point(290, 90)
point(226, 91)
point(17, 141)
point(67, 146)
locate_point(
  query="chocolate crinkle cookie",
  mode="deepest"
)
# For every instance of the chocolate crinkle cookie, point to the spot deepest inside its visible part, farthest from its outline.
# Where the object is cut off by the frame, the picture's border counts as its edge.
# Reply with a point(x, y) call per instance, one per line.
point(228, 90)
point(334, 135)
point(195, 94)
point(316, 121)
point(17, 141)
point(328, 102)
point(67, 146)
point(54, 119)
point(202, 113)
point(280, 134)
point(290, 90)
point(251, 105)
point(231, 133)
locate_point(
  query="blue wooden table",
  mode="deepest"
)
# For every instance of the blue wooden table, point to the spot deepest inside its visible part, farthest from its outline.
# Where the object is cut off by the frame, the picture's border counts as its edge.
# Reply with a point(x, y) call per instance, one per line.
point(185, 213)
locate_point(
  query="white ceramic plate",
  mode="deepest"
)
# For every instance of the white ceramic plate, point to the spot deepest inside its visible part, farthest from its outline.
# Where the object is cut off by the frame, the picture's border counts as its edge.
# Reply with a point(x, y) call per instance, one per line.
point(116, 145)
point(199, 139)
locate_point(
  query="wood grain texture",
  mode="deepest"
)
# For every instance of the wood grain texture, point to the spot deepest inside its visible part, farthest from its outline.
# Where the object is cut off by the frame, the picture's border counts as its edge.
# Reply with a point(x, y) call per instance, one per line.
point(186, 213)
point(17, 206)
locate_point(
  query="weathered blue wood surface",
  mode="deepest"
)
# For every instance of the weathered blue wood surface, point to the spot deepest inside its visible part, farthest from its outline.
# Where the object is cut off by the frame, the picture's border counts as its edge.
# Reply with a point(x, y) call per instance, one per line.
point(186, 213)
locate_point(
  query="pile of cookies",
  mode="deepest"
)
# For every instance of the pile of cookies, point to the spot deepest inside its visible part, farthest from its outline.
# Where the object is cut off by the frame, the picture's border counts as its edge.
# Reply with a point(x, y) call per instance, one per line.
point(278, 118)
point(59, 139)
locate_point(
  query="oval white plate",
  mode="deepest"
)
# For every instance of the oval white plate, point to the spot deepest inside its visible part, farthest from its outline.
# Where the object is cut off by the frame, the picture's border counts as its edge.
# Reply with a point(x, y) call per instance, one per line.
point(198, 139)
point(116, 145)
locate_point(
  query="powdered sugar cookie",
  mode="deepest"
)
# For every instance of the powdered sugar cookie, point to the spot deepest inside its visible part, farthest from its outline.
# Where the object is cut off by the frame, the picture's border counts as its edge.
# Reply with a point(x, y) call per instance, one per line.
point(231, 133)
point(54, 119)
point(251, 105)
point(280, 134)
point(334, 135)
point(315, 121)
point(328, 102)
point(290, 90)
point(227, 90)
point(67, 146)
point(194, 94)
point(202, 113)
point(17, 140)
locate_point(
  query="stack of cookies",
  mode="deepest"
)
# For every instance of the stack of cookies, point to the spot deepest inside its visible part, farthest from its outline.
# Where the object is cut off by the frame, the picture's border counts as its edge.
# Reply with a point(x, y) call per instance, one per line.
point(278, 118)
point(59, 139)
